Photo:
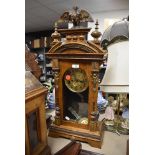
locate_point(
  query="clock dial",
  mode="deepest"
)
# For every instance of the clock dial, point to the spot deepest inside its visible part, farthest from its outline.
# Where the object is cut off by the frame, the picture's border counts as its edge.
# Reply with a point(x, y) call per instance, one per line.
point(76, 79)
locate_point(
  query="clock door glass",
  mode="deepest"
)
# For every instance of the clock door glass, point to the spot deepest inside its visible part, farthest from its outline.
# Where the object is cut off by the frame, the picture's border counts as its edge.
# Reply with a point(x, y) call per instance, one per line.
point(33, 129)
point(75, 96)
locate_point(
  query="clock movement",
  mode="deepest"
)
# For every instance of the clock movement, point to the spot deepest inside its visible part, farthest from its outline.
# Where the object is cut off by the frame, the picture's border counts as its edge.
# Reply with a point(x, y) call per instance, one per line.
point(76, 80)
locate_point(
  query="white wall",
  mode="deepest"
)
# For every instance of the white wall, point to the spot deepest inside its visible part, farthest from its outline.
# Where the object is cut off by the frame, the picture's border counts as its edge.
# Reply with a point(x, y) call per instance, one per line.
point(103, 15)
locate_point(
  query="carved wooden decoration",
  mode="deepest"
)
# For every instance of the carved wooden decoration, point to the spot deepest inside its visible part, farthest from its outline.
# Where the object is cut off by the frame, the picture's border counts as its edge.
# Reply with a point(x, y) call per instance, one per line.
point(76, 96)
point(30, 61)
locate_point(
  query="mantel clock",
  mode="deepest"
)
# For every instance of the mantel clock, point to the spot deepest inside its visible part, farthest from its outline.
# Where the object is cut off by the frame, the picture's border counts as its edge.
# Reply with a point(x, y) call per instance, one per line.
point(76, 62)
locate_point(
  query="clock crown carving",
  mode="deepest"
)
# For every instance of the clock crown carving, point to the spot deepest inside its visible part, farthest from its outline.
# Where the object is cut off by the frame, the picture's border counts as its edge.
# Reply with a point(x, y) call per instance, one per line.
point(75, 39)
point(76, 17)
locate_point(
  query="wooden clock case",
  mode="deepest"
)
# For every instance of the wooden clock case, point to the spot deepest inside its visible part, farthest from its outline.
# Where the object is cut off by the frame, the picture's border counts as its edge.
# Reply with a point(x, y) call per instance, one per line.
point(35, 121)
point(73, 51)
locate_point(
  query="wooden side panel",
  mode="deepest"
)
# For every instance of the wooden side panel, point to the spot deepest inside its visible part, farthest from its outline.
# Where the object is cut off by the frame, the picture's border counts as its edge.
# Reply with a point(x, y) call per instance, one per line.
point(36, 105)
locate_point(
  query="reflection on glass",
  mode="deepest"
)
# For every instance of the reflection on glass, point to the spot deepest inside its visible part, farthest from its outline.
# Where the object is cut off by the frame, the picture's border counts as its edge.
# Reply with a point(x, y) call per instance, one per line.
point(33, 132)
point(76, 106)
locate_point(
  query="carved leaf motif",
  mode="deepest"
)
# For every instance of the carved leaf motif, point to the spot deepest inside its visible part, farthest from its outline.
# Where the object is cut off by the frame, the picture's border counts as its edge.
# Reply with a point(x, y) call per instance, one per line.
point(85, 16)
point(65, 16)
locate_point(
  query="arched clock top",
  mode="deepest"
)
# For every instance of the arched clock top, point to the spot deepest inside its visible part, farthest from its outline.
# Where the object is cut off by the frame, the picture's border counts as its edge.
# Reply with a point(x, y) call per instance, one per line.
point(84, 48)
point(75, 41)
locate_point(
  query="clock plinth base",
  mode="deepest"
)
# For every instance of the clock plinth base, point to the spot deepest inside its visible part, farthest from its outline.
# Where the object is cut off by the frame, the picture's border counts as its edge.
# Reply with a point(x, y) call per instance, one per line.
point(92, 138)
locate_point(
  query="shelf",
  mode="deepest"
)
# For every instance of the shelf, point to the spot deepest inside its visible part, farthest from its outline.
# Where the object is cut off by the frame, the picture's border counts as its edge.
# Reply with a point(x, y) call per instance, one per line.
point(49, 74)
point(39, 49)
point(40, 60)
point(49, 66)
point(45, 63)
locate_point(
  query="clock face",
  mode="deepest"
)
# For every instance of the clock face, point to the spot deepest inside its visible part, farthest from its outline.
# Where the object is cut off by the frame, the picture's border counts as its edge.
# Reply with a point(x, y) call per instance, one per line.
point(76, 80)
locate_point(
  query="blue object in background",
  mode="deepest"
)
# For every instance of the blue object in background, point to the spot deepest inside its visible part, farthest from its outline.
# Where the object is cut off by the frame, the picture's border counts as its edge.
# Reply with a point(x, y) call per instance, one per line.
point(51, 100)
point(101, 102)
point(41, 57)
point(125, 113)
point(51, 106)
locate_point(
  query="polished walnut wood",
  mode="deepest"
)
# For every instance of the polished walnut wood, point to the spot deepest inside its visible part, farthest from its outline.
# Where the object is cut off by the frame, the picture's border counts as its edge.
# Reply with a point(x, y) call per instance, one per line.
point(75, 49)
point(35, 105)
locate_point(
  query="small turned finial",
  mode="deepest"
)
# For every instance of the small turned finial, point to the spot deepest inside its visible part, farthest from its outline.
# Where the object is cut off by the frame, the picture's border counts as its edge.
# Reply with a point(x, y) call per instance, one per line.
point(96, 23)
point(56, 35)
point(56, 26)
point(96, 34)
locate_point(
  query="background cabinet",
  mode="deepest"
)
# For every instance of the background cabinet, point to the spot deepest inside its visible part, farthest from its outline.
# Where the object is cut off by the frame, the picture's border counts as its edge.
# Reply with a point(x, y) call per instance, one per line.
point(39, 43)
point(35, 122)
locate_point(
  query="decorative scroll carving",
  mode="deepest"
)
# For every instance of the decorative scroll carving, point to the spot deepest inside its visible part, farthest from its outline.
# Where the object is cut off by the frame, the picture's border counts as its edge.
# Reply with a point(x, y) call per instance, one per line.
point(56, 81)
point(57, 116)
point(95, 73)
point(56, 71)
point(95, 80)
point(93, 121)
point(56, 77)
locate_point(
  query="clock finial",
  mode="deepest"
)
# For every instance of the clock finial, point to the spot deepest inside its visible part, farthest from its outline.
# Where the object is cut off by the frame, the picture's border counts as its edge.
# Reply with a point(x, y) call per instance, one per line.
point(56, 35)
point(96, 34)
